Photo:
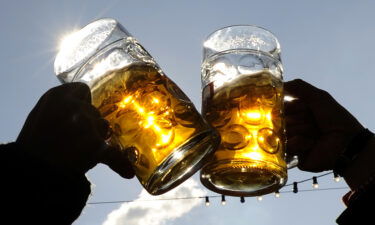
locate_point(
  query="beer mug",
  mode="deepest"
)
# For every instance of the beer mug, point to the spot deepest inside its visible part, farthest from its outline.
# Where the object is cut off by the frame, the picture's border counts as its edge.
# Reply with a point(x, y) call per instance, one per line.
point(243, 99)
point(166, 138)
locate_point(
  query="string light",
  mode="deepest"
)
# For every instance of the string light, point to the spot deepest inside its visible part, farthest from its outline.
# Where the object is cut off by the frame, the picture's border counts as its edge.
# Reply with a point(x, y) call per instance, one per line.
point(207, 201)
point(260, 198)
point(315, 182)
point(242, 199)
point(198, 197)
point(223, 202)
point(336, 177)
point(295, 187)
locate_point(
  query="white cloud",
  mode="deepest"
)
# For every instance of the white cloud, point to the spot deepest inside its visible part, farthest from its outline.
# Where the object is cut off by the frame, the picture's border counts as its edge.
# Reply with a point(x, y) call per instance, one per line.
point(143, 212)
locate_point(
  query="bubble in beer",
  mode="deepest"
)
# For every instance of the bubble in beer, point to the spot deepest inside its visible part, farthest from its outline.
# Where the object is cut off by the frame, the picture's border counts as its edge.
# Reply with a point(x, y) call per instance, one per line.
point(268, 140)
point(235, 137)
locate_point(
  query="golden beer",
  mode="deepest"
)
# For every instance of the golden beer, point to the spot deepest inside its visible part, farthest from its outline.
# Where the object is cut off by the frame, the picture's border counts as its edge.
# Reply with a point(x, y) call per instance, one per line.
point(151, 118)
point(248, 114)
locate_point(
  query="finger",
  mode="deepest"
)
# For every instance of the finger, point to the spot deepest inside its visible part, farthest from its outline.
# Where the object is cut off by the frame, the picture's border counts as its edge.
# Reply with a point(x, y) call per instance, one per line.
point(102, 125)
point(118, 161)
point(295, 106)
point(306, 129)
point(302, 147)
point(80, 91)
point(76, 90)
point(327, 147)
point(303, 90)
point(104, 128)
point(62, 100)
point(298, 118)
point(298, 145)
point(83, 118)
point(85, 108)
point(83, 150)
point(77, 122)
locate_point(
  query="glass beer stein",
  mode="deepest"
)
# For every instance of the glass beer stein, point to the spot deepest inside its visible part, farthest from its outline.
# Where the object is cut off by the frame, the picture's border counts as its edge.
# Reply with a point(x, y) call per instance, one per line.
point(243, 99)
point(166, 138)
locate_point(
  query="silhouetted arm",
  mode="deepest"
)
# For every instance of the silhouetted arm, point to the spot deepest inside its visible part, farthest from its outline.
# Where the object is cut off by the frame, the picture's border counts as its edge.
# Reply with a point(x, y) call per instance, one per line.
point(34, 192)
point(43, 172)
point(319, 131)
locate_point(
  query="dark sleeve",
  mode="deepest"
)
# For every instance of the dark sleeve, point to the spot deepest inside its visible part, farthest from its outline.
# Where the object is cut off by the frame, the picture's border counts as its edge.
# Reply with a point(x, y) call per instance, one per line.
point(360, 210)
point(34, 192)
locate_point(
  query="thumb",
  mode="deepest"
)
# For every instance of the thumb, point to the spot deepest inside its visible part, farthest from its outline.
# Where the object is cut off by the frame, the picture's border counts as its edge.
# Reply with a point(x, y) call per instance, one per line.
point(76, 90)
point(118, 161)
point(302, 90)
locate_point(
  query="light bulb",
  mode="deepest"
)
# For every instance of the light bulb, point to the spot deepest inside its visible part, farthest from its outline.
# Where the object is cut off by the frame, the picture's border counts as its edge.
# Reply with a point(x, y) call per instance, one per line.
point(223, 202)
point(315, 182)
point(295, 187)
point(336, 177)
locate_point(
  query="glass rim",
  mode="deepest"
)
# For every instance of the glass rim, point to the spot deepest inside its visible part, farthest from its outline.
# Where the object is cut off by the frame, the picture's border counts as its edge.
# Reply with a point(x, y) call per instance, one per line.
point(94, 24)
point(63, 62)
point(212, 45)
point(238, 25)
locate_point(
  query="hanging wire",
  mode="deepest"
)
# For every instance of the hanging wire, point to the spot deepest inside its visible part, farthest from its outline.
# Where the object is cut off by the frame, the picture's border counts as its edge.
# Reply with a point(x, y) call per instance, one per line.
point(309, 179)
point(211, 196)
point(242, 199)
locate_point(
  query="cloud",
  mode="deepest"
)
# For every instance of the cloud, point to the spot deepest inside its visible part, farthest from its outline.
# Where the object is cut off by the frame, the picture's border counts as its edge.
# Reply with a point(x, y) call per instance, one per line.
point(143, 211)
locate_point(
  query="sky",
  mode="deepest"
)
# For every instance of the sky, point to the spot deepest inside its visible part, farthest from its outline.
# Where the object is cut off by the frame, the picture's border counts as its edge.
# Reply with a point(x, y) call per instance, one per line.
point(327, 43)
